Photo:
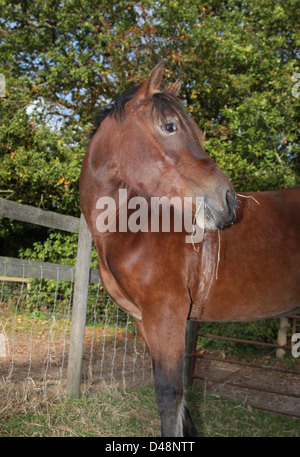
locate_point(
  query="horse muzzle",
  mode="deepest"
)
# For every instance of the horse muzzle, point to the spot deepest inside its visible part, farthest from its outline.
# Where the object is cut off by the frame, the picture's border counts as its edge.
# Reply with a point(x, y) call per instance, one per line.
point(219, 214)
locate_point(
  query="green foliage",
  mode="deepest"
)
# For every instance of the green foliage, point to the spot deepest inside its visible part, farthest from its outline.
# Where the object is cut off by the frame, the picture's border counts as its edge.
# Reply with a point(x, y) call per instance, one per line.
point(58, 248)
point(238, 59)
point(60, 61)
point(63, 59)
point(51, 295)
point(264, 331)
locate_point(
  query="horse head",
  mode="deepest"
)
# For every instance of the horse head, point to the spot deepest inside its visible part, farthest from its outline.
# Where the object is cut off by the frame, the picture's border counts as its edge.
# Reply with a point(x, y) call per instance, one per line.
point(149, 144)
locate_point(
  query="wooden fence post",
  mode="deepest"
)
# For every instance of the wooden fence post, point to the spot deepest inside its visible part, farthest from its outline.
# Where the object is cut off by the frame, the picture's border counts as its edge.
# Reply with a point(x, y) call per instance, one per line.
point(81, 285)
point(282, 336)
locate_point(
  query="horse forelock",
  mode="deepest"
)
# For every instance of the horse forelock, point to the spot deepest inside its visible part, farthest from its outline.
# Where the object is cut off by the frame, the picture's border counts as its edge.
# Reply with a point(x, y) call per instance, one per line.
point(115, 108)
point(164, 104)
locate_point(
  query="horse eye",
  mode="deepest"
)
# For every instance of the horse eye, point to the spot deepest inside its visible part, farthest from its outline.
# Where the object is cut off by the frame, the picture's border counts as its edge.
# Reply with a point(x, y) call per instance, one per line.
point(170, 127)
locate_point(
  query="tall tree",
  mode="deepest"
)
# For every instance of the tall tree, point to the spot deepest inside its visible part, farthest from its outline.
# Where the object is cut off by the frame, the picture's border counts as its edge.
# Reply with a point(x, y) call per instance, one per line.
point(63, 59)
point(238, 59)
point(60, 60)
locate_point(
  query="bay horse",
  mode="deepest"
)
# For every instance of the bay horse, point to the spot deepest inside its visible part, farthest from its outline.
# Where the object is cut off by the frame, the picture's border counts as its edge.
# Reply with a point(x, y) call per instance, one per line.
point(246, 267)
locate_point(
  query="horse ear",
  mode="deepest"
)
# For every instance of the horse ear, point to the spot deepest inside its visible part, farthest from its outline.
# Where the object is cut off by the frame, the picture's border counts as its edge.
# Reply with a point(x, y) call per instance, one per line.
point(151, 84)
point(175, 88)
point(156, 77)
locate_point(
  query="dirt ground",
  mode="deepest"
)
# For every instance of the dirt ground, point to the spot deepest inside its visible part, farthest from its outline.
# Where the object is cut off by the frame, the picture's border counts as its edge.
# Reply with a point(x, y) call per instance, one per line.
point(41, 364)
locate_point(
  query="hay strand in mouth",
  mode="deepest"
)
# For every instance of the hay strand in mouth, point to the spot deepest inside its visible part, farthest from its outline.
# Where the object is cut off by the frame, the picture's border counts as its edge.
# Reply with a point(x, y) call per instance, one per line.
point(248, 196)
point(218, 256)
point(194, 227)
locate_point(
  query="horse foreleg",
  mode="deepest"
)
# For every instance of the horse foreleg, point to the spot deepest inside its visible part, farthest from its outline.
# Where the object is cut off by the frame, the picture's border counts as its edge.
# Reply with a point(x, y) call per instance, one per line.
point(175, 417)
point(166, 341)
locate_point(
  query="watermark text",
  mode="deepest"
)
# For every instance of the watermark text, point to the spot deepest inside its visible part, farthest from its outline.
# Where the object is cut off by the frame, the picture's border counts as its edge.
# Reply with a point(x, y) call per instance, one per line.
point(136, 214)
point(295, 88)
point(296, 346)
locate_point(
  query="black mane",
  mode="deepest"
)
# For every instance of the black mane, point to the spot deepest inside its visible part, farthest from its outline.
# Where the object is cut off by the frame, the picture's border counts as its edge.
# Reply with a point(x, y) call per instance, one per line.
point(115, 108)
point(164, 104)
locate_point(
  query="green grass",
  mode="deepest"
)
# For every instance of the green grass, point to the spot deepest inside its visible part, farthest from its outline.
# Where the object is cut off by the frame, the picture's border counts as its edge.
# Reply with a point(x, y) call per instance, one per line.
point(115, 413)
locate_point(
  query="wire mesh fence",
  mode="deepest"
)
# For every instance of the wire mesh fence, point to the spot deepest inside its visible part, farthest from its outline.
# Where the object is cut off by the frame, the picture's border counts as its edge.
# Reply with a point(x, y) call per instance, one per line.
point(35, 323)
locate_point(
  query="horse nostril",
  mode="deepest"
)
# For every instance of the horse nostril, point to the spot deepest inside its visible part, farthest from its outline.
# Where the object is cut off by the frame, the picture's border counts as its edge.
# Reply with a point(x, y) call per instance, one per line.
point(231, 199)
